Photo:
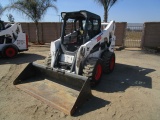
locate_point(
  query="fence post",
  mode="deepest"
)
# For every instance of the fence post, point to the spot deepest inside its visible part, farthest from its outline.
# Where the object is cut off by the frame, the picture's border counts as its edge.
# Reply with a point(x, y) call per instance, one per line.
point(28, 31)
point(143, 36)
point(151, 37)
point(120, 33)
point(124, 34)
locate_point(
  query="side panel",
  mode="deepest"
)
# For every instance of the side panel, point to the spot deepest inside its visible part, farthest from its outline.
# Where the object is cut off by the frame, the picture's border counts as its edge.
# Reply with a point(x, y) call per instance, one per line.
point(112, 45)
point(53, 49)
point(109, 31)
point(21, 41)
point(107, 36)
point(93, 48)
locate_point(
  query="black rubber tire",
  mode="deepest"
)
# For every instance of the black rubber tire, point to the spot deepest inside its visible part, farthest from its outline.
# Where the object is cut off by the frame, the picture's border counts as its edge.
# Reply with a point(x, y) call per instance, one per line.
point(93, 70)
point(108, 61)
point(48, 60)
point(10, 52)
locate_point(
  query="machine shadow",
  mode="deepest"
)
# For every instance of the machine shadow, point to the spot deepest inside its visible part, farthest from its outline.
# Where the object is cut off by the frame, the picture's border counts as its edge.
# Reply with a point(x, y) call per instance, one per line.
point(123, 77)
point(21, 59)
point(92, 104)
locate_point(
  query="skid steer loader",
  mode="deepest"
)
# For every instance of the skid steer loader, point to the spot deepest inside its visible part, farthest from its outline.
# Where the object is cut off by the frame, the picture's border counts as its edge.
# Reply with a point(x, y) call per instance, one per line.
point(76, 61)
point(12, 39)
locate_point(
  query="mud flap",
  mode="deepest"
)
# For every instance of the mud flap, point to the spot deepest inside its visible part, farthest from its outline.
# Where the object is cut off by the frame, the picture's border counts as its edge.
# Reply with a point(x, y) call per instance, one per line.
point(62, 90)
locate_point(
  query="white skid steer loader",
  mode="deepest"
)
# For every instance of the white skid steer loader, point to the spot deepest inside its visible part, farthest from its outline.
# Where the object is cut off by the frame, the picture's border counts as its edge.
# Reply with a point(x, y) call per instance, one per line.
point(12, 39)
point(76, 61)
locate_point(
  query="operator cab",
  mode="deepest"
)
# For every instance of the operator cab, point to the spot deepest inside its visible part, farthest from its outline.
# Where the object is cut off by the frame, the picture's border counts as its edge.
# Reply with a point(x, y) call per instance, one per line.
point(7, 38)
point(78, 28)
point(2, 28)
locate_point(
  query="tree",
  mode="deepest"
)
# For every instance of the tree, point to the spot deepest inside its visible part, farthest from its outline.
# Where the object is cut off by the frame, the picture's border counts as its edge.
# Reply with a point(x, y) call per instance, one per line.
point(33, 10)
point(107, 4)
point(10, 18)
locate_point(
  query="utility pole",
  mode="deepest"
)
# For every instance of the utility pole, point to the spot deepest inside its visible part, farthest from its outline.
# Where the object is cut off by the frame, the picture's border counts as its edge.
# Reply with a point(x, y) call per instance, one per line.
point(59, 17)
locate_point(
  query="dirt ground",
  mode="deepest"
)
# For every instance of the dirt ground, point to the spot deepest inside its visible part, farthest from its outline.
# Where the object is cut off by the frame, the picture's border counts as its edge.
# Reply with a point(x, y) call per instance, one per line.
point(131, 92)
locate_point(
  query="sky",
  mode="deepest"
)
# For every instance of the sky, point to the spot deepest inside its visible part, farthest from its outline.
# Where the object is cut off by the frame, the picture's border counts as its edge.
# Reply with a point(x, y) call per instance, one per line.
point(131, 11)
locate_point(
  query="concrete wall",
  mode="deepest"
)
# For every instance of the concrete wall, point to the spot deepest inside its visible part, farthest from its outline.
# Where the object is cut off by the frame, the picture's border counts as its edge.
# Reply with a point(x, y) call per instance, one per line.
point(151, 35)
point(50, 31)
point(120, 33)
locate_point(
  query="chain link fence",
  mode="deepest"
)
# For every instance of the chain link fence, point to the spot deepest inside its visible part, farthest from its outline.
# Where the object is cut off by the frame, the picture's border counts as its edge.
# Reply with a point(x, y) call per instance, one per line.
point(133, 36)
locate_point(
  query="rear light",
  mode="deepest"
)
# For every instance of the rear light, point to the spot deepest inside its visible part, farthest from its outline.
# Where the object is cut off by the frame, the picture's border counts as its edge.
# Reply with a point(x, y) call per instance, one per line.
point(26, 41)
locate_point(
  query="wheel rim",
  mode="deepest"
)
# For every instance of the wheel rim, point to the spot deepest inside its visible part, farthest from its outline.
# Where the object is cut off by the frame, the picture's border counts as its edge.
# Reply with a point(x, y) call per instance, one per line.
point(112, 62)
point(10, 52)
point(98, 72)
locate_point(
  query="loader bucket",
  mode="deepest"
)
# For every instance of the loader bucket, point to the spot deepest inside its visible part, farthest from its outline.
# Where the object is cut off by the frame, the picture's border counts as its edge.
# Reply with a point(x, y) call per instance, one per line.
point(62, 90)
